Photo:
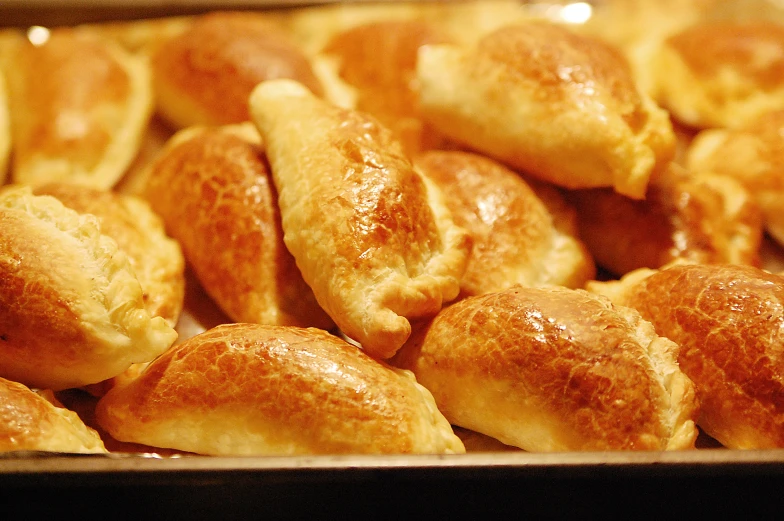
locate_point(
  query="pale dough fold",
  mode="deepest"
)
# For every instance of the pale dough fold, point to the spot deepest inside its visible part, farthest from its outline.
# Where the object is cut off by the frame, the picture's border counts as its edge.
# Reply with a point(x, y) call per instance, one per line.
point(371, 236)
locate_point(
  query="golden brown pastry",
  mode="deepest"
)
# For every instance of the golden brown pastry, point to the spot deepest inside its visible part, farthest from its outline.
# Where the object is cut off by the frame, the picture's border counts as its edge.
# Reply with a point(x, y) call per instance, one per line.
point(753, 154)
point(28, 421)
point(212, 187)
point(5, 130)
point(721, 73)
point(156, 259)
point(275, 390)
point(204, 75)
point(560, 106)
point(554, 369)
point(378, 59)
point(372, 238)
point(522, 233)
point(703, 217)
point(728, 321)
point(71, 309)
point(79, 106)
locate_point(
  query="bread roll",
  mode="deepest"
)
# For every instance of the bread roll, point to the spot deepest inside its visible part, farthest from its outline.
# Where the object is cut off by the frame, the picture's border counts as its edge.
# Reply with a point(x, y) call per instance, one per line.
point(155, 258)
point(372, 238)
point(28, 421)
point(522, 233)
point(270, 390)
point(753, 154)
point(721, 73)
point(557, 105)
point(204, 75)
point(71, 309)
point(729, 322)
point(554, 369)
point(79, 106)
point(212, 187)
point(702, 217)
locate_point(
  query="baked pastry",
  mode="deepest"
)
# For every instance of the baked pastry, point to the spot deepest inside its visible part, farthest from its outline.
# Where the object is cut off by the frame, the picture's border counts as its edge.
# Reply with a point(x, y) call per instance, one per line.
point(557, 105)
point(71, 309)
point(28, 421)
point(753, 154)
point(720, 73)
point(372, 238)
point(554, 369)
point(155, 258)
point(79, 106)
point(212, 188)
point(522, 233)
point(204, 75)
point(5, 130)
point(273, 390)
point(701, 217)
point(378, 59)
point(728, 321)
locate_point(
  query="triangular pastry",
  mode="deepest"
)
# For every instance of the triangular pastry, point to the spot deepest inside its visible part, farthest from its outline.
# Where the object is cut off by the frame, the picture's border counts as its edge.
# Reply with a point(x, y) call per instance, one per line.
point(79, 108)
point(71, 309)
point(557, 105)
point(250, 389)
point(372, 238)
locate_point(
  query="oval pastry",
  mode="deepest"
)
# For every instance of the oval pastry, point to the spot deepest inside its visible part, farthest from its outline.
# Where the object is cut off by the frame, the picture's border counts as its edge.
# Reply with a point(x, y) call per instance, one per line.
point(71, 308)
point(204, 75)
point(374, 241)
point(729, 323)
point(271, 390)
point(28, 421)
point(554, 369)
point(554, 104)
point(522, 233)
point(79, 107)
point(213, 189)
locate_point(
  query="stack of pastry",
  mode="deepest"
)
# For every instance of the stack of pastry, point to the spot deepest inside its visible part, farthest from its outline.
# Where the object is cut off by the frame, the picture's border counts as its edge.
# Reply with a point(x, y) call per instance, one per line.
point(382, 229)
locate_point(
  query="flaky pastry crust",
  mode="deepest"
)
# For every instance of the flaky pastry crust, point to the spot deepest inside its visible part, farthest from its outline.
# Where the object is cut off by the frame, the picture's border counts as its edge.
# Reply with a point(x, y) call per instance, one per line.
point(372, 238)
point(267, 390)
point(213, 189)
point(552, 369)
point(560, 106)
point(729, 323)
point(72, 308)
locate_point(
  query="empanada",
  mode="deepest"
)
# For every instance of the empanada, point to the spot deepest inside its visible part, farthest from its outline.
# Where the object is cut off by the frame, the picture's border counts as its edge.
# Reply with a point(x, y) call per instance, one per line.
point(273, 390)
point(79, 106)
point(204, 75)
point(557, 105)
point(729, 323)
point(372, 238)
point(71, 309)
point(213, 189)
point(554, 369)
point(28, 421)
point(522, 233)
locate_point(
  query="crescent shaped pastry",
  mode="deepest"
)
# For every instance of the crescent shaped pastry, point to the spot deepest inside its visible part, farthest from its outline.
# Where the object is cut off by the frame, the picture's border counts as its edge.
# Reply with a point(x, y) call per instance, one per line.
point(522, 233)
point(71, 309)
point(753, 154)
point(729, 323)
point(213, 190)
point(155, 258)
point(28, 421)
point(721, 73)
point(378, 59)
point(204, 75)
point(703, 217)
point(79, 107)
point(372, 238)
point(554, 369)
point(244, 389)
point(560, 106)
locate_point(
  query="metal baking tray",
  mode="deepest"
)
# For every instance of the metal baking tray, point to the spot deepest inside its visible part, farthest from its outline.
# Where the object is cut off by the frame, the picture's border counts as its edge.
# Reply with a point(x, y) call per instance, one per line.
point(627, 485)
